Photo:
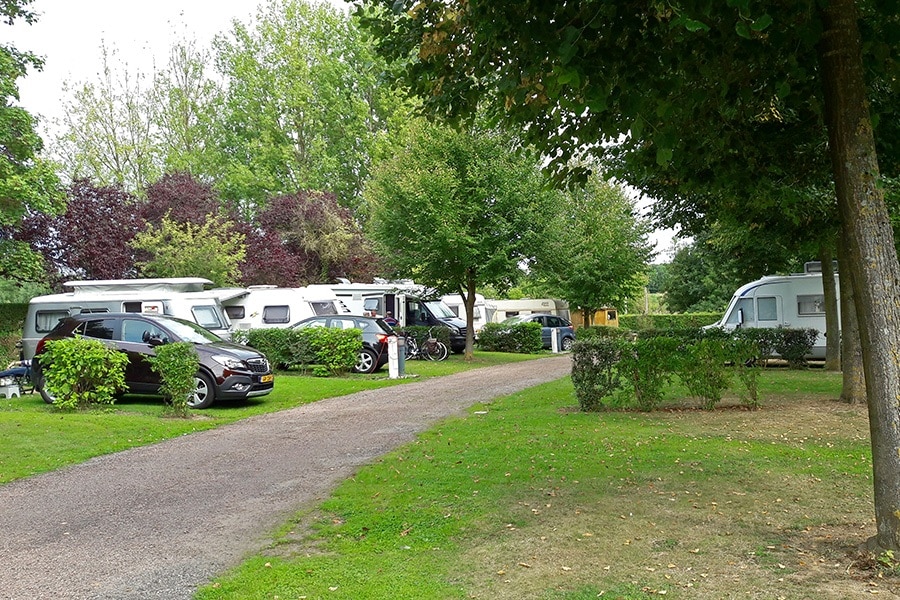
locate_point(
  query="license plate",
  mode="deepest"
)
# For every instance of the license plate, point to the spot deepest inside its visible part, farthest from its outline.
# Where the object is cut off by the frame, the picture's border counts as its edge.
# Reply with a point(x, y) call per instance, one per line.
point(267, 378)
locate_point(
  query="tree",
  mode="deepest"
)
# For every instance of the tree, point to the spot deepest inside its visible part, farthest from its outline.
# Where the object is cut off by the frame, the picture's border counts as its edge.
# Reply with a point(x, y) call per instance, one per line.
point(600, 249)
point(456, 211)
point(180, 197)
point(212, 250)
point(575, 74)
point(90, 240)
point(303, 105)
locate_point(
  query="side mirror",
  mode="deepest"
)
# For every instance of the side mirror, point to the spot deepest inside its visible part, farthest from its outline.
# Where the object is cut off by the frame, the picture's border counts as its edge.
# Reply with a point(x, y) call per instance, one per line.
point(740, 317)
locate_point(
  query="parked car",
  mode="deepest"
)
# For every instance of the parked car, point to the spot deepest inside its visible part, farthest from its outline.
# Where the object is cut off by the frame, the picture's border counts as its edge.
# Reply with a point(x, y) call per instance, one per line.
point(375, 333)
point(227, 371)
point(548, 324)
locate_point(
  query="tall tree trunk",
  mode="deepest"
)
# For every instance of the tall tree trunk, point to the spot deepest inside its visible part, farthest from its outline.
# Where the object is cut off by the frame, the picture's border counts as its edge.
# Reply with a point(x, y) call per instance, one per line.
point(854, 379)
point(872, 255)
point(832, 321)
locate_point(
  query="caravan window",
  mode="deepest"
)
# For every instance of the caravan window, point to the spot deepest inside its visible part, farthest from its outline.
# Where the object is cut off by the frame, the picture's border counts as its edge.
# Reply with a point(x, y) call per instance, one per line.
point(811, 305)
point(323, 308)
point(767, 309)
point(745, 305)
point(234, 312)
point(207, 316)
point(46, 320)
point(277, 314)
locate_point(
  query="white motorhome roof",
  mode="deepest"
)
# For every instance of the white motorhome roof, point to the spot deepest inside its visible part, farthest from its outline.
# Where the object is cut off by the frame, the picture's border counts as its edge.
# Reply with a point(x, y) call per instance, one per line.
point(167, 284)
point(770, 279)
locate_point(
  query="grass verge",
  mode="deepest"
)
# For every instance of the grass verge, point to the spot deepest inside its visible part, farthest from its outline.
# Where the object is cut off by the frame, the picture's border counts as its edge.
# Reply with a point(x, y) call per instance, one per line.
point(39, 438)
point(526, 497)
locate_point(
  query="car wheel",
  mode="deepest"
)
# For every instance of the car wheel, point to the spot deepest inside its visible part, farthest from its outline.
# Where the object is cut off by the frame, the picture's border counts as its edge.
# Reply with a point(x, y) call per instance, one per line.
point(366, 361)
point(567, 343)
point(204, 392)
point(45, 395)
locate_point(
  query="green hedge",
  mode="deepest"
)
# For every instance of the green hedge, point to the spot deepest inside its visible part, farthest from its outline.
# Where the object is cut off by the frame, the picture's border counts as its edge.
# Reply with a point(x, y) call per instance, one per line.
point(631, 371)
point(523, 338)
point(323, 350)
point(679, 321)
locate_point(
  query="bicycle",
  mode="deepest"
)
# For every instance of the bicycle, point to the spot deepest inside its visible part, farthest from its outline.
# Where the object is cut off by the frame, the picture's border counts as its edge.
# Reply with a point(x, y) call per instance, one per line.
point(431, 348)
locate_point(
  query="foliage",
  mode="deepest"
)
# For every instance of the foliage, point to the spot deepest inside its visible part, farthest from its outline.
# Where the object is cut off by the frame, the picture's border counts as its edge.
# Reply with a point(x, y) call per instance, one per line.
point(181, 198)
point(595, 375)
point(646, 366)
point(305, 238)
point(302, 107)
point(599, 248)
point(679, 321)
point(519, 337)
point(90, 240)
point(27, 181)
point(421, 333)
point(81, 373)
point(212, 250)
point(177, 364)
point(702, 369)
point(12, 316)
point(602, 331)
point(324, 350)
point(794, 345)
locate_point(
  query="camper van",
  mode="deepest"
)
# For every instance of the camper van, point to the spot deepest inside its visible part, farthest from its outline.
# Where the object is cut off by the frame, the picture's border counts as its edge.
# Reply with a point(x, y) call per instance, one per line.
point(406, 302)
point(483, 310)
point(794, 301)
point(260, 306)
point(183, 297)
point(504, 309)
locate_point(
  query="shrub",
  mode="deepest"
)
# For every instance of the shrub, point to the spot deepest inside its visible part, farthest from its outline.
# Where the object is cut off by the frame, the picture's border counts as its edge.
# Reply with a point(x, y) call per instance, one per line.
point(421, 333)
point(81, 373)
point(601, 331)
point(324, 350)
point(594, 373)
point(647, 366)
point(523, 338)
point(275, 343)
point(794, 345)
point(702, 369)
point(672, 321)
point(177, 364)
point(12, 317)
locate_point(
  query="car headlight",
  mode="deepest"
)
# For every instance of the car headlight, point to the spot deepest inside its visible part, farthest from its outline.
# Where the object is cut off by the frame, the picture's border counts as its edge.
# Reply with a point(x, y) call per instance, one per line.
point(454, 330)
point(230, 362)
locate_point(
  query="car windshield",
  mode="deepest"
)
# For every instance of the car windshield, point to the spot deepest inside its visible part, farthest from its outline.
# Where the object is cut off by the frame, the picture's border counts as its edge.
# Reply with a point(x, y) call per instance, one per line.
point(440, 310)
point(187, 331)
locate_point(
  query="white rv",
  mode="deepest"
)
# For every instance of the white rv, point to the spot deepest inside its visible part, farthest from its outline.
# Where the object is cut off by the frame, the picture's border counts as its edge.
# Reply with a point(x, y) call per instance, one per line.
point(260, 306)
point(483, 309)
point(183, 297)
point(793, 301)
point(504, 309)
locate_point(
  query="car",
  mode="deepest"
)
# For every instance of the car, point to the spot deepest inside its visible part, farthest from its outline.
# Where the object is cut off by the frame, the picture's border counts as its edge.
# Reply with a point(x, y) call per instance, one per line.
point(375, 334)
point(227, 371)
point(548, 323)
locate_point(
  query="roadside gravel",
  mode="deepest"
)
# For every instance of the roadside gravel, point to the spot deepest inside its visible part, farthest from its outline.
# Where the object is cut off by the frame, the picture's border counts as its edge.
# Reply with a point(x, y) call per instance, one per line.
point(161, 520)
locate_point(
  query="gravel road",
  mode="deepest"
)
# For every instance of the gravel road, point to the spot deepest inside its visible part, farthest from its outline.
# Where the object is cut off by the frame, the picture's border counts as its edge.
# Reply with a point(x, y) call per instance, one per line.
point(159, 521)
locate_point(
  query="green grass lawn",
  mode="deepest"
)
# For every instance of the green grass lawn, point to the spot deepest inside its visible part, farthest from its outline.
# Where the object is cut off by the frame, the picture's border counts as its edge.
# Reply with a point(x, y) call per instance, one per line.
point(526, 497)
point(38, 438)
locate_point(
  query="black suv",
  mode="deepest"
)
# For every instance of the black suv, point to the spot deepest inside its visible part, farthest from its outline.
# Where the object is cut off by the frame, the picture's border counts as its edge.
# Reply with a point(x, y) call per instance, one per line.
point(227, 371)
point(375, 334)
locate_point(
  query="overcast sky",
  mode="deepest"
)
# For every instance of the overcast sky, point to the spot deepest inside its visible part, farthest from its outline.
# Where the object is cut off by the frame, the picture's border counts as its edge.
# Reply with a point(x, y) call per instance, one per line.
point(69, 34)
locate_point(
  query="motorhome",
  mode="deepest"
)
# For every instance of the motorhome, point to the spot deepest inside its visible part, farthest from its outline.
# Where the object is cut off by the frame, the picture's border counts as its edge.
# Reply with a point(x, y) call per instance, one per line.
point(261, 306)
point(483, 310)
point(184, 297)
point(794, 301)
point(526, 306)
point(406, 301)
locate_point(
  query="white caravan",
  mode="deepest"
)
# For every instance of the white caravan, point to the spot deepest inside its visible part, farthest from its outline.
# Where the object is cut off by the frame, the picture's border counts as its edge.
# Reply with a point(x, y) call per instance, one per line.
point(483, 309)
point(261, 306)
point(793, 301)
point(504, 309)
point(183, 297)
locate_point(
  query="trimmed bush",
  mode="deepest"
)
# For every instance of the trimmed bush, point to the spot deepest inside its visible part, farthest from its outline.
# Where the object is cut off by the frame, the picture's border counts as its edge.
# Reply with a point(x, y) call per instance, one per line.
point(323, 350)
point(675, 321)
point(594, 372)
point(647, 365)
point(80, 372)
point(12, 317)
point(524, 338)
point(176, 364)
point(794, 344)
point(602, 331)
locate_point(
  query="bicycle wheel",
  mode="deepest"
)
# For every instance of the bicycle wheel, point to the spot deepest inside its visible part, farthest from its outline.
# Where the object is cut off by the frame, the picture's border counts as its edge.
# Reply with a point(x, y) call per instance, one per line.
point(434, 350)
point(412, 349)
point(444, 351)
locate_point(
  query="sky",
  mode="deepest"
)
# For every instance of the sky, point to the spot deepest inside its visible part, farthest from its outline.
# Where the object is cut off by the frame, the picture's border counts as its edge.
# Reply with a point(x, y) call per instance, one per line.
point(69, 35)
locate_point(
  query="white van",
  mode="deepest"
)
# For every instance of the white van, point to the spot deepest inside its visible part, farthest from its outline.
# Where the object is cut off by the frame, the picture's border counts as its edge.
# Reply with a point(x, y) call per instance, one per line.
point(793, 301)
point(183, 297)
point(261, 306)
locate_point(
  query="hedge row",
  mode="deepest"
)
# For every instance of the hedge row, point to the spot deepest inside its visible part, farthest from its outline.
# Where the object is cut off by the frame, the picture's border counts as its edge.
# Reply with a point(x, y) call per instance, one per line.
point(321, 350)
point(679, 321)
point(523, 338)
point(621, 371)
